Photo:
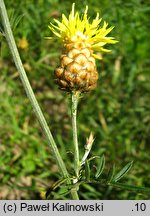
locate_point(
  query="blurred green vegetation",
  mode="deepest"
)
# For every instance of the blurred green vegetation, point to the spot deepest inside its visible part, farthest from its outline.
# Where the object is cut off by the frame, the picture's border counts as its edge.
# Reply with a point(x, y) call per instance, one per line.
point(118, 111)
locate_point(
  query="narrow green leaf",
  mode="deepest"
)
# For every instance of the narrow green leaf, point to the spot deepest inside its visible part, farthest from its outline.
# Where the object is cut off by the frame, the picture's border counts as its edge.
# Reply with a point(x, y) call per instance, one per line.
point(17, 20)
point(87, 170)
point(60, 182)
point(131, 188)
point(92, 158)
point(120, 174)
point(100, 167)
point(111, 173)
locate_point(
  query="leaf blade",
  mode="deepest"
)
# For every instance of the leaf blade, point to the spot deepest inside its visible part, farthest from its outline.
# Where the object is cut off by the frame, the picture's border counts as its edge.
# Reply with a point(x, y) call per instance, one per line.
point(100, 167)
point(122, 173)
point(111, 173)
point(131, 188)
point(87, 170)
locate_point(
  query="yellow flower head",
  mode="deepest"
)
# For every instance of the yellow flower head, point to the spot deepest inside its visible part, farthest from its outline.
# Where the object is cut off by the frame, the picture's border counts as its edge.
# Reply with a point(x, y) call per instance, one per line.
point(80, 29)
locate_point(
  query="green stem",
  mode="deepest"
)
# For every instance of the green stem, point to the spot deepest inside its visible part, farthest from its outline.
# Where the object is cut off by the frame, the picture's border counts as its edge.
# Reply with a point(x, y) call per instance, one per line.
point(75, 97)
point(16, 57)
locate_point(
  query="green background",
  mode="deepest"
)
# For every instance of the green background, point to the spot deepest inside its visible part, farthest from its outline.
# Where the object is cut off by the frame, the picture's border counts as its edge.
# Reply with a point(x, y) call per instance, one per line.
point(117, 111)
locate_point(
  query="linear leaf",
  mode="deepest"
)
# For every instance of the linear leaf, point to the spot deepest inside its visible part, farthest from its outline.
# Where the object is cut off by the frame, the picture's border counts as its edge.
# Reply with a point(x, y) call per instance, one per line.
point(14, 19)
point(100, 167)
point(111, 173)
point(87, 170)
point(17, 20)
point(131, 188)
point(120, 174)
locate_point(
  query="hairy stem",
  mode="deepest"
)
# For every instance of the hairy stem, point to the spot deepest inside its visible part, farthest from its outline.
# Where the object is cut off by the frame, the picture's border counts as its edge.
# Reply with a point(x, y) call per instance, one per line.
point(30, 94)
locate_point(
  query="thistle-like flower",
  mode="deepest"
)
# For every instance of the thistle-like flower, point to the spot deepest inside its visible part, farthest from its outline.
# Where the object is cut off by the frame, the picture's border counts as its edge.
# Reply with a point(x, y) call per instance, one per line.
point(81, 39)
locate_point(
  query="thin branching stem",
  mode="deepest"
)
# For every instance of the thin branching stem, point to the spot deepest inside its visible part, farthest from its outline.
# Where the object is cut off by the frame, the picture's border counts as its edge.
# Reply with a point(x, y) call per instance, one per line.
point(16, 57)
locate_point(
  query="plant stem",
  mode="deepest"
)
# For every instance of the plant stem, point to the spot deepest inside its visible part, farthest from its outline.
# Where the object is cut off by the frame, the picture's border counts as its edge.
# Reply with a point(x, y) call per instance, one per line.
point(75, 97)
point(16, 57)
